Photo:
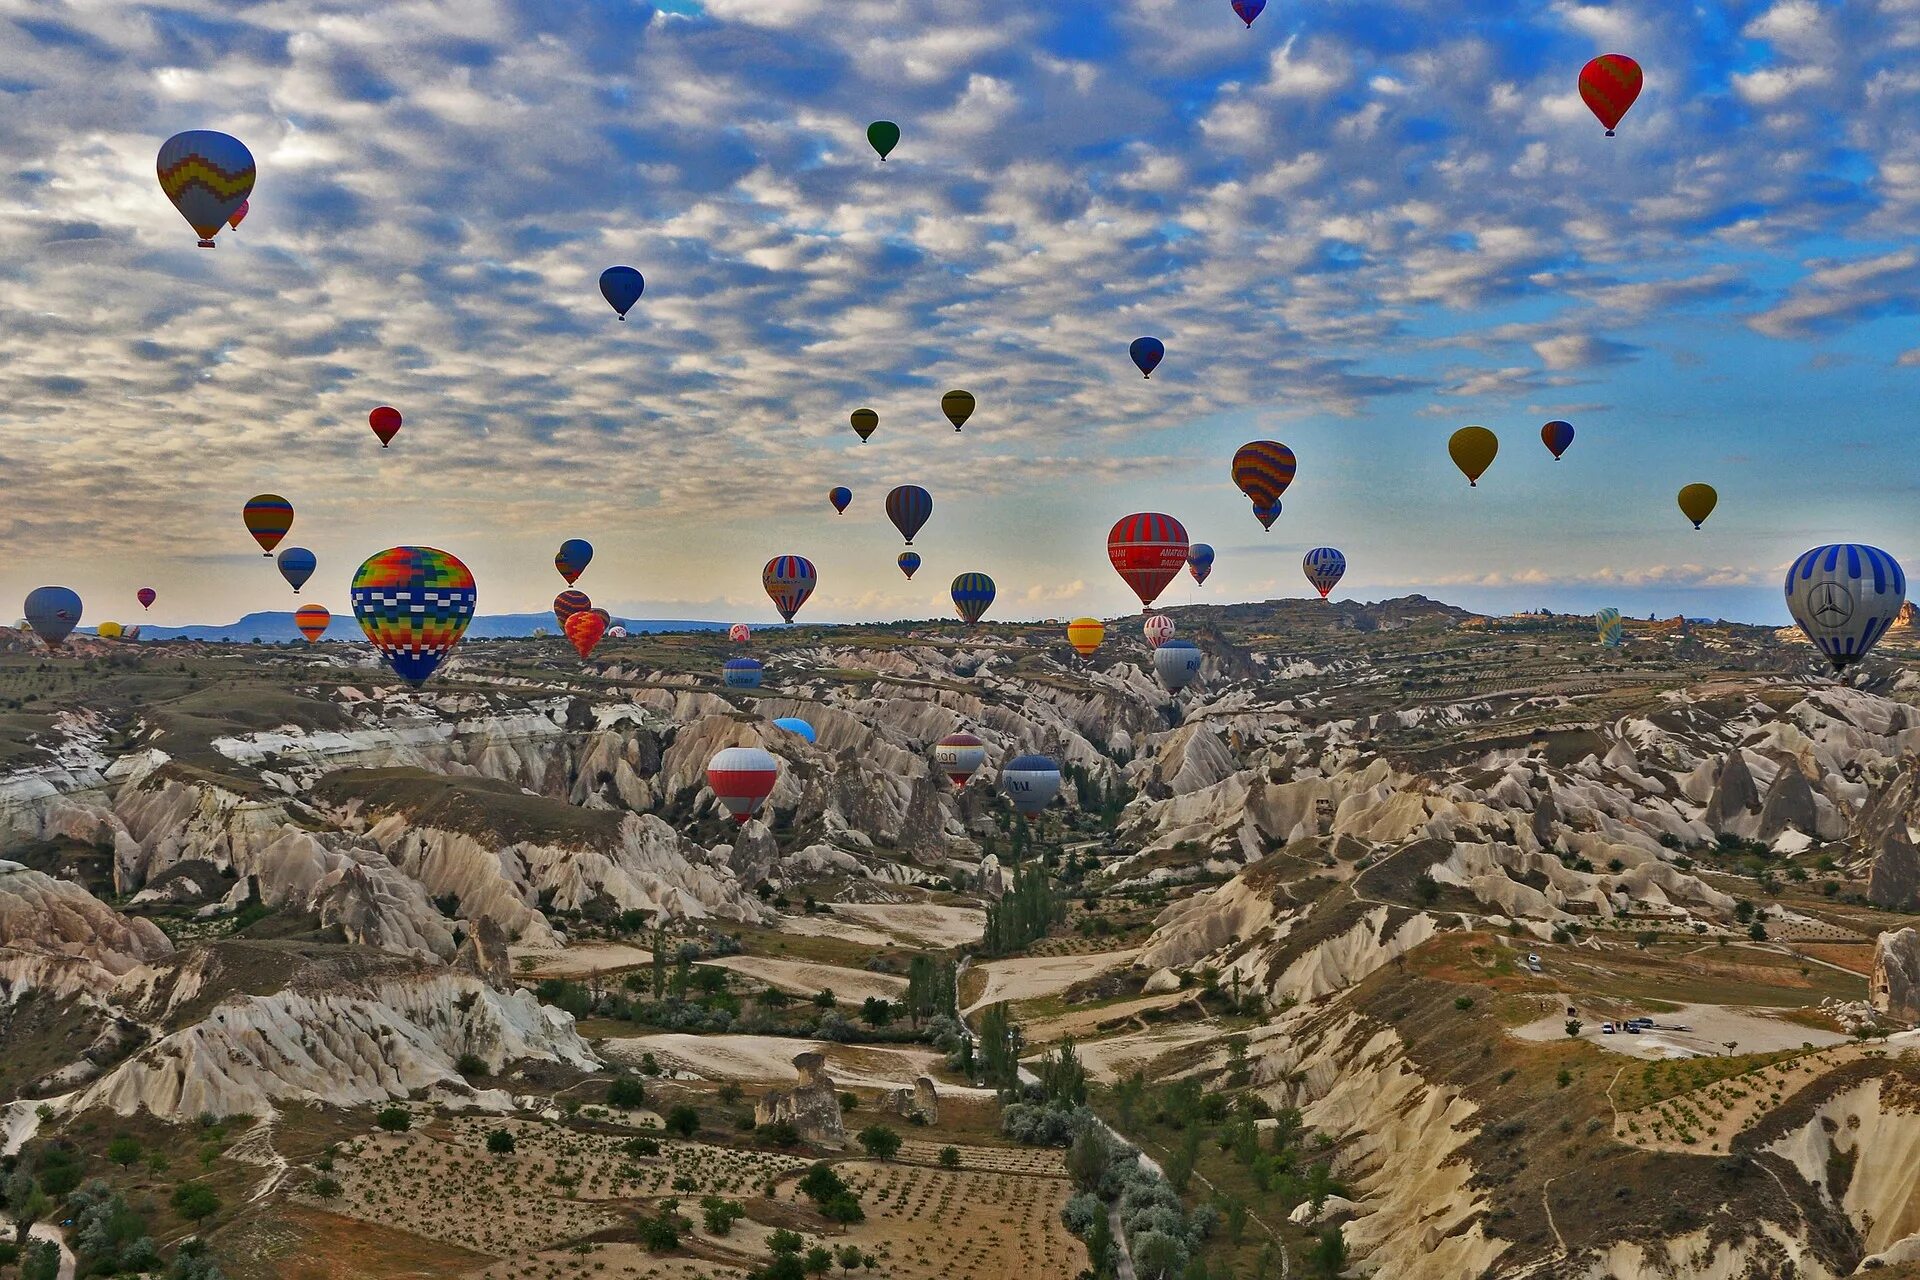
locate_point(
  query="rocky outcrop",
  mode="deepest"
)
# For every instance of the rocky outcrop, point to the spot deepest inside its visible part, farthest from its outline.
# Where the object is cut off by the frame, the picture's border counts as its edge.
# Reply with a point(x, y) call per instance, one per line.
point(918, 1105)
point(1894, 879)
point(1896, 974)
point(53, 932)
point(812, 1107)
point(1789, 806)
point(1735, 796)
point(484, 955)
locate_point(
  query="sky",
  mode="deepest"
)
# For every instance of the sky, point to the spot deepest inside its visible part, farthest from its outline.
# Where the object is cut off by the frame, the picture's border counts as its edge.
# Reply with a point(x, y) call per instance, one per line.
point(1357, 227)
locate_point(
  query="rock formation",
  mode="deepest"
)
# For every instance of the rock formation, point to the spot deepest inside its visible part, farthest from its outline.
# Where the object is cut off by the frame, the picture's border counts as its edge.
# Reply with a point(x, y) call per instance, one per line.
point(918, 1105)
point(1896, 974)
point(812, 1106)
point(1894, 880)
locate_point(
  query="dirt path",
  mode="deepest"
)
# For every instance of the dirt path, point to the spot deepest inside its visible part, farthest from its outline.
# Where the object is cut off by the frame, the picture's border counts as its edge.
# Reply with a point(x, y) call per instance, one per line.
point(805, 977)
point(1123, 1263)
point(918, 924)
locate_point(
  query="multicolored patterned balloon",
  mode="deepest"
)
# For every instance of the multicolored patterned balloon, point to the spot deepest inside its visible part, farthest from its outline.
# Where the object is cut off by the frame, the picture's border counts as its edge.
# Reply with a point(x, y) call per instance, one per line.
point(584, 631)
point(1200, 562)
point(572, 559)
point(267, 516)
point(909, 507)
point(740, 633)
point(414, 603)
point(313, 621)
point(208, 176)
point(1845, 596)
point(789, 580)
point(1158, 629)
point(1248, 10)
point(909, 562)
point(1262, 469)
point(568, 603)
point(972, 593)
point(959, 756)
point(742, 778)
point(1557, 436)
point(1613, 632)
point(1148, 550)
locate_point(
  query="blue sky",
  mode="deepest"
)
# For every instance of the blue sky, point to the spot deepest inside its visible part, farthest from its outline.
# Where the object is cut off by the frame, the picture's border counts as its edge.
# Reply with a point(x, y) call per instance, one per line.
point(1357, 227)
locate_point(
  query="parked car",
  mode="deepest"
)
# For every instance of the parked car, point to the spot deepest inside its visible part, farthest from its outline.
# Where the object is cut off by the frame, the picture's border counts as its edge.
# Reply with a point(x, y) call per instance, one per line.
point(1606, 1028)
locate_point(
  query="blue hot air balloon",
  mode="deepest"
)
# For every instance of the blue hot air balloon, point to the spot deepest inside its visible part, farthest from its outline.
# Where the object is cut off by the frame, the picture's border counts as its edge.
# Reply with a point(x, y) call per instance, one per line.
point(741, 673)
point(909, 506)
point(1324, 568)
point(1557, 436)
point(1845, 596)
point(840, 497)
point(972, 593)
point(795, 725)
point(909, 562)
point(621, 287)
point(1200, 562)
point(1147, 354)
point(1177, 663)
point(296, 566)
point(1031, 782)
point(53, 613)
point(1613, 631)
point(572, 559)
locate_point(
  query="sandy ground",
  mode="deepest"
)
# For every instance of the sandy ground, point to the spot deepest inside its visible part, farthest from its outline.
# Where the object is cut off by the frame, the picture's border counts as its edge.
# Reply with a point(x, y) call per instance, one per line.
point(1713, 1026)
point(769, 1059)
point(803, 977)
point(1085, 1022)
point(579, 961)
point(918, 923)
point(1035, 977)
point(827, 926)
point(1718, 1112)
point(1111, 1059)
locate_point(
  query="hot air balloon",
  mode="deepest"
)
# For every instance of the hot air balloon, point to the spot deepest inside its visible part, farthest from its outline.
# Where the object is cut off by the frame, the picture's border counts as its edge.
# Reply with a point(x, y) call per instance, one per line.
point(208, 176)
point(959, 756)
point(1472, 449)
point(1697, 502)
point(296, 566)
point(1557, 435)
point(1613, 633)
point(1262, 469)
point(572, 559)
point(1158, 629)
point(909, 561)
point(798, 727)
point(53, 613)
point(568, 603)
point(1324, 567)
point(621, 287)
point(1147, 549)
point(1085, 635)
point(1147, 354)
point(130, 633)
point(884, 135)
point(865, 423)
point(146, 596)
point(385, 422)
point(789, 580)
point(840, 497)
point(740, 633)
point(1177, 663)
point(606, 618)
point(1609, 84)
point(1844, 596)
point(972, 593)
point(1248, 10)
point(616, 632)
point(742, 778)
point(585, 630)
point(414, 603)
point(1200, 562)
point(239, 215)
point(268, 516)
point(958, 406)
point(313, 620)
point(909, 507)
point(741, 673)
point(109, 631)
point(1031, 782)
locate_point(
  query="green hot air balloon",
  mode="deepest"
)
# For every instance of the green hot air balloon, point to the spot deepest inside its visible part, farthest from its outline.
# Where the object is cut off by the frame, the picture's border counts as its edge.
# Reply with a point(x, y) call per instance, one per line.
point(884, 135)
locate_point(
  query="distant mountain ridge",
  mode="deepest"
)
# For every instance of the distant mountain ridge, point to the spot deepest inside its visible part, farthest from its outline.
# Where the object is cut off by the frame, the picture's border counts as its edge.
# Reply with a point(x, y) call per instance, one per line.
point(273, 627)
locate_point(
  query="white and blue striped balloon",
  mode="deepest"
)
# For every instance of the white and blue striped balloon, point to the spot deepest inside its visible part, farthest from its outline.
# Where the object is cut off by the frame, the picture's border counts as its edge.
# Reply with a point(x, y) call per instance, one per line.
point(1324, 568)
point(1844, 596)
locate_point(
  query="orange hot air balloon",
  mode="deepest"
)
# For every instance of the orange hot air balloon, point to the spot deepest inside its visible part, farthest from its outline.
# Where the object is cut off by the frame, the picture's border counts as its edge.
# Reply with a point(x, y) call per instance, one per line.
point(267, 516)
point(584, 630)
point(313, 620)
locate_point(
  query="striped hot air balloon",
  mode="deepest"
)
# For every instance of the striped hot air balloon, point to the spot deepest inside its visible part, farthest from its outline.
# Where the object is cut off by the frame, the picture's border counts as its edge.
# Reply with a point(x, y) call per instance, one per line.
point(742, 778)
point(1613, 632)
point(585, 630)
point(313, 621)
point(909, 507)
point(208, 176)
point(959, 756)
point(1158, 629)
point(1148, 550)
point(414, 603)
point(1086, 635)
point(568, 603)
point(1262, 469)
point(972, 593)
point(267, 516)
point(296, 566)
point(909, 563)
point(789, 580)
point(1324, 568)
point(1844, 596)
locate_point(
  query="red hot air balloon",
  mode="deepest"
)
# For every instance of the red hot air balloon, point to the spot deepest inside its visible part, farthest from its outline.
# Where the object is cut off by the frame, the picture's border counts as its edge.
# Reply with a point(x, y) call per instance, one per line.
point(742, 778)
point(1609, 84)
point(568, 603)
point(740, 633)
point(584, 630)
point(146, 596)
point(385, 422)
point(1149, 550)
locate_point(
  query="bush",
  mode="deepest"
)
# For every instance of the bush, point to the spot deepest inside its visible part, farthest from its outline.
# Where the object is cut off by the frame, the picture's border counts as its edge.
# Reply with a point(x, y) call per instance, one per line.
point(949, 1157)
point(785, 1241)
point(639, 1148)
point(500, 1142)
point(661, 1234)
point(196, 1200)
point(880, 1142)
point(325, 1188)
point(1463, 1003)
point(720, 1214)
point(626, 1093)
point(683, 1121)
point(395, 1119)
point(470, 1064)
point(779, 1133)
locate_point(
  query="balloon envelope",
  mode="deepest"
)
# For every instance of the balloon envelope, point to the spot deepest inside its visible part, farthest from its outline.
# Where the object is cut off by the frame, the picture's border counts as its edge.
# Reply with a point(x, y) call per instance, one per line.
point(1472, 450)
point(1086, 635)
point(1200, 561)
point(109, 630)
point(313, 621)
point(972, 593)
point(1613, 632)
point(865, 423)
point(884, 136)
point(1262, 469)
point(568, 603)
point(146, 596)
point(1324, 567)
point(959, 756)
point(741, 673)
point(267, 516)
point(414, 603)
point(1177, 663)
point(621, 287)
point(53, 613)
point(740, 633)
point(1845, 596)
point(1557, 435)
point(1697, 502)
point(742, 778)
point(1147, 550)
point(909, 562)
point(1158, 629)
point(208, 176)
point(840, 497)
point(958, 406)
point(239, 215)
point(585, 630)
point(296, 566)
point(1147, 354)
point(909, 506)
point(789, 580)
point(1609, 85)
point(1248, 10)
point(385, 422)
point(798, 727)
point(572, 559)
point(1031, 782)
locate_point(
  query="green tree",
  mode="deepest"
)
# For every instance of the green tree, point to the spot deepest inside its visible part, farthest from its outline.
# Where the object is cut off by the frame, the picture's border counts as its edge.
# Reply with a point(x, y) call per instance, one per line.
point(819, 1260)
point(125, 1150)
point(500, 1142)
point(785, 1241)
point(394, 1119)
point(1329, 1256)
point(683, 1121)
point(196, 1200)
point(720, 1214)
point(626, 1093)
point(949, 1157)
point(880, 1142)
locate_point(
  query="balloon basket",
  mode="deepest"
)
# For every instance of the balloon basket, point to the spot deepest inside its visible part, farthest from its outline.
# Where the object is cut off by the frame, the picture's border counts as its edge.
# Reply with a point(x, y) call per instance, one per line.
point(207, 244)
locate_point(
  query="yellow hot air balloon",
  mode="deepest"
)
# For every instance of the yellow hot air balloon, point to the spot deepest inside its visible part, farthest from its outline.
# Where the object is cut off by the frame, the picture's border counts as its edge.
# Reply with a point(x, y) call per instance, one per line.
point(108, 630)
point(1473, 449)
point(1697, 502)
point(1085, 635)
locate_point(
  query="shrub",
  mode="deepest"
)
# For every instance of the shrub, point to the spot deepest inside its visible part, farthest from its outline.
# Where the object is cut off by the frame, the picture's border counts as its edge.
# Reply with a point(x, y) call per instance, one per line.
point(395, 1119)
point(626, 1093)
point(949, 1157)
point(325, 1188)
point(196, 1200)
point(785, 1241)
point(720, 1214)
point(1463, 1003)
point(500, 1142)
point(470, 1064)
point(880, 1142)
point(683, 1121)
point(778, 1133)
point(639, 1148)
